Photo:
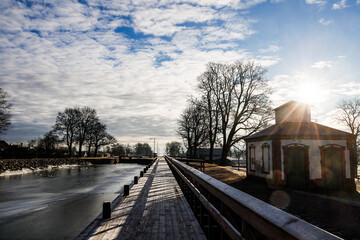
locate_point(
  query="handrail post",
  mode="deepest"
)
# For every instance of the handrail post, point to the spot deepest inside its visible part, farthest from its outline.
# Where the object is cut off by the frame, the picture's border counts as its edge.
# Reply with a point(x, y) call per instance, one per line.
point(106, 210)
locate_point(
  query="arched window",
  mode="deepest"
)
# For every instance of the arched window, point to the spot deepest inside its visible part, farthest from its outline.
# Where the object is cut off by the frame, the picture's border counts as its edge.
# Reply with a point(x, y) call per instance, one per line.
point(265, 158)
point(252, 157)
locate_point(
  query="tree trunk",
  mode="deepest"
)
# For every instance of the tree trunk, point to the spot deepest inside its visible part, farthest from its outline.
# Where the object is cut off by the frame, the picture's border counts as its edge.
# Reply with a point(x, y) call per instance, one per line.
point(80, 148)
point(70, 149)
point(96, 150)
point(190, 148)
point(224, 154)
point(211, 152)
point(89, 149)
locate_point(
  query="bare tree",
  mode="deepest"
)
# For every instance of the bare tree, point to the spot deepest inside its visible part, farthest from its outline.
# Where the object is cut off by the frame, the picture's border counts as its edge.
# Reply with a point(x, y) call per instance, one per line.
point(97, 129)
point(173, 148)
point(192, 127)
point(100, 137)
point(5, 107)
point(86, 123)
point(209, 89)
point(242, 95)
point(350, 116)
point(66, 126)
point(49, 142)
point(104, 140)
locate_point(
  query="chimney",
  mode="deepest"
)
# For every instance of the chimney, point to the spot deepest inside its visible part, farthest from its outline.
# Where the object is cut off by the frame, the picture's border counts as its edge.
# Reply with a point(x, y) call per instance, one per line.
point(292, 112)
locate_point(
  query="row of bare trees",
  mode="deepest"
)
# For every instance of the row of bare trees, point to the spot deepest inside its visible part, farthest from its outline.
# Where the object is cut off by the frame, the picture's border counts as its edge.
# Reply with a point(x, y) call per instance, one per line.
point(77, 126)
point(82, 126)
point(233, 103)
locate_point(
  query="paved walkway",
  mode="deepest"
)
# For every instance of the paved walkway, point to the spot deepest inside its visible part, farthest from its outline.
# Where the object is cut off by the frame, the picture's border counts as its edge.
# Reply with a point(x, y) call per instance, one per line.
point(155, 209)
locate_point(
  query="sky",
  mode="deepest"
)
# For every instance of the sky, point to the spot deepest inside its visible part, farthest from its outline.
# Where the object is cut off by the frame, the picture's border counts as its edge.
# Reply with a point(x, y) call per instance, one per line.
point(136, 62)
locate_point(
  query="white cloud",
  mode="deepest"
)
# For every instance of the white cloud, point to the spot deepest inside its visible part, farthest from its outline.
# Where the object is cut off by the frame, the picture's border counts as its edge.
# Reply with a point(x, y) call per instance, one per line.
point(325, 22)
point(164, 21)
point(319, 2)
point(358, 2)
point(322, 64)
point(69, 55)
point(348, 89)
point(267, 61)
point(339, 5)
point(270, 48)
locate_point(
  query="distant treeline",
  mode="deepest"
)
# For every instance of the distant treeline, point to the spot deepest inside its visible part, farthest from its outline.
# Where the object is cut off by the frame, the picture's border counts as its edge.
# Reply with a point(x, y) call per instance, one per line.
point(36, 149)
point(74, 129)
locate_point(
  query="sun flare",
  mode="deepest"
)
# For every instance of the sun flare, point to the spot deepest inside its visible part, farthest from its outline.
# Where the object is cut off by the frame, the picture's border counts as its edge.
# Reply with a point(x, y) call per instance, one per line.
point(310, 93)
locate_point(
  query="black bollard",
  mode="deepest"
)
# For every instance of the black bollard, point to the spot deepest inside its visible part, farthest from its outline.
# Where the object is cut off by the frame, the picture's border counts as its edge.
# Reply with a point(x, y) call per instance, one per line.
point(126, 190)
point(141, 173)
point(144, 170)
point(106, 210)
point(136, 179)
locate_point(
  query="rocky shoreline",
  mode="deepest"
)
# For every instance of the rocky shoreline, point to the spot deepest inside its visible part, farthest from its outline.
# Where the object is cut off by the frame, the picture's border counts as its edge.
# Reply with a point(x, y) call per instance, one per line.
point(38, 163)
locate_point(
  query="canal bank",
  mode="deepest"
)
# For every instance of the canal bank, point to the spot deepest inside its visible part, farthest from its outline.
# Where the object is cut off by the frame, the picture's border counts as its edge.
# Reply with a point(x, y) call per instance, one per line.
point(34, 164)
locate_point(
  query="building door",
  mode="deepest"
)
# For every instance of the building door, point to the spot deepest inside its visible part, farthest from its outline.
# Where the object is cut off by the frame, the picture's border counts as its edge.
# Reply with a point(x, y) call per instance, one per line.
point(296, 166)
point(332, 158)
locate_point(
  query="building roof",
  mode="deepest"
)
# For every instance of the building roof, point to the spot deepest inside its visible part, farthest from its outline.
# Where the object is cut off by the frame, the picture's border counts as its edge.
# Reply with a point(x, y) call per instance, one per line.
point(292, 112)
point(300, 129)
point(291, 103)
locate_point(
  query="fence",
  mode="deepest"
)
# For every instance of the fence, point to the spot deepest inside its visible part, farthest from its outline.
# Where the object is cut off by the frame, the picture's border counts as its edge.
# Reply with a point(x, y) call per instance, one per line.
point(227, 213)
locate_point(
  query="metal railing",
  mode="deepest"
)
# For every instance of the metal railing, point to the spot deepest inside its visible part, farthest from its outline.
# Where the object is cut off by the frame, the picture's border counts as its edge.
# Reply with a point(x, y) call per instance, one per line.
point(225, 212)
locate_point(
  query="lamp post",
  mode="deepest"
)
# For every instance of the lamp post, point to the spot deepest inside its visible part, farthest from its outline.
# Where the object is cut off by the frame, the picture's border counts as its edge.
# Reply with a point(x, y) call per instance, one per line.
point(154, 145)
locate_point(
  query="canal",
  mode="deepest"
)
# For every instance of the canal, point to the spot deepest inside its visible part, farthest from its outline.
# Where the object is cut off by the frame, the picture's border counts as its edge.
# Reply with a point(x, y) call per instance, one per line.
point(60, 203)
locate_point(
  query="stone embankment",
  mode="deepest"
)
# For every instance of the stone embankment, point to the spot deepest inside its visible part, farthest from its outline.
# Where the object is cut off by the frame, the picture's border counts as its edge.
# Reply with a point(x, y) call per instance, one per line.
point(37, 163)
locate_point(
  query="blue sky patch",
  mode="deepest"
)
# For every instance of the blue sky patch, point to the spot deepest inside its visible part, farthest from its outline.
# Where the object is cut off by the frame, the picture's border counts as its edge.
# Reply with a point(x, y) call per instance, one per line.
point(162, 57)
point(130, 33)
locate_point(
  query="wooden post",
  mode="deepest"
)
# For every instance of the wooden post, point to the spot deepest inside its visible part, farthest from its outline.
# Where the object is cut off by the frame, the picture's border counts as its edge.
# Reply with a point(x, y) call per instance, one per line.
point(126, 190)
point(106, 210)
point(136, 179)
point(141, 173)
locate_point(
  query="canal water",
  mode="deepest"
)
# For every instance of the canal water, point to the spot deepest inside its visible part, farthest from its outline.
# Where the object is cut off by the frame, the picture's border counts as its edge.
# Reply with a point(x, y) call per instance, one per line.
point(60, 203)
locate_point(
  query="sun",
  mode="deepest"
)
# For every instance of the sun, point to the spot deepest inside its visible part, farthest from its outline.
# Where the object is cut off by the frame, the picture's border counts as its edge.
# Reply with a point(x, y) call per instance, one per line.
point(307, 93)
point(310, 92)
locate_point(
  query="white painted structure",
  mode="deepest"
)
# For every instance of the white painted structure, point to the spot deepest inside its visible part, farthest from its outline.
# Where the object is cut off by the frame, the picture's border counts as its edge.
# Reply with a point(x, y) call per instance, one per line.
point(301, 154)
